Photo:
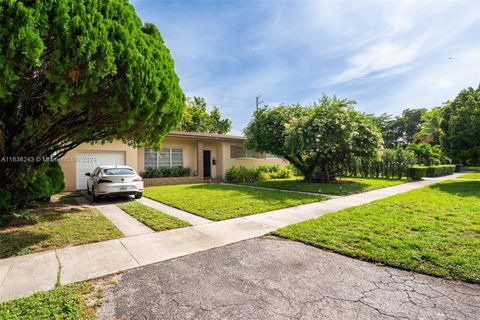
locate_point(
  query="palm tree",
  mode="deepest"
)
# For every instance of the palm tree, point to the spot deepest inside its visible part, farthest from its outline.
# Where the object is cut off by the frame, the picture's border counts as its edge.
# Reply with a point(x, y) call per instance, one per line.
point(430, 131)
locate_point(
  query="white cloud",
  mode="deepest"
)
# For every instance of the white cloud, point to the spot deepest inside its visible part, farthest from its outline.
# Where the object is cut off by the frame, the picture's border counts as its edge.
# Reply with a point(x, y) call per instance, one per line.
point(412, 31)
point(431, 85)
point(379, 57)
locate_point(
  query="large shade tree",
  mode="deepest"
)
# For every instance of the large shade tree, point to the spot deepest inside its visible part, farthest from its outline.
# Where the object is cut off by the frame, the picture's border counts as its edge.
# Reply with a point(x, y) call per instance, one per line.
point(319, 139)
point(461, 127)
point(74, 71)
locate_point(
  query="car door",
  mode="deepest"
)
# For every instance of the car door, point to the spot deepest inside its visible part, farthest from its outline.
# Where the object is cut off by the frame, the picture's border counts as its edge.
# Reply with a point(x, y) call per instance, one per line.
point(91, 180)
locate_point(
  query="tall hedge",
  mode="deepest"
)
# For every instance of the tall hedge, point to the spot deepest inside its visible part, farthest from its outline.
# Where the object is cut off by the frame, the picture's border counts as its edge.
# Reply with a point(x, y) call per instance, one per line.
point(439, 171)
point(388, 164)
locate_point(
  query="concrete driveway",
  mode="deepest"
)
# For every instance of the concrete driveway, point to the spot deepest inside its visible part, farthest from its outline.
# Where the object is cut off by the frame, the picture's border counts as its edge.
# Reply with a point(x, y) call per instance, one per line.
point(270, 278)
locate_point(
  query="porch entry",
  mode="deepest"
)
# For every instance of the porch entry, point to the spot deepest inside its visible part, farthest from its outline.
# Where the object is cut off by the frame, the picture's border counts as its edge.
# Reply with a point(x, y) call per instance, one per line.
point(207, 164)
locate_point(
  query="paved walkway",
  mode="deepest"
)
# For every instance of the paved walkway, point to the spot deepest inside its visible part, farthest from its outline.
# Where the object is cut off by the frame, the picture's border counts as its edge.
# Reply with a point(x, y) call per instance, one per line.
point(94, 260)
point(183, 215)
point(123, 221)
point(270, 278)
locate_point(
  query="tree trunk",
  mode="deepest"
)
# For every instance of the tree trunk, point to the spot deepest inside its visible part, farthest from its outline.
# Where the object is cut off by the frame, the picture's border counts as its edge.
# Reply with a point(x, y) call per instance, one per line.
point(311, 172)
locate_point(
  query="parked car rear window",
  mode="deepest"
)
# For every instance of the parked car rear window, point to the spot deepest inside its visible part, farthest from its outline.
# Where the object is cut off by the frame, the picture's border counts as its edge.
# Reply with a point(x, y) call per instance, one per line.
point(118, 172)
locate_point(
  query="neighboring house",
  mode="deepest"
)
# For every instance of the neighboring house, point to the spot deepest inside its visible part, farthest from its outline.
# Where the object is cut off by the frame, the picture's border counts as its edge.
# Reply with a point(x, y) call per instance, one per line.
point(208, 155)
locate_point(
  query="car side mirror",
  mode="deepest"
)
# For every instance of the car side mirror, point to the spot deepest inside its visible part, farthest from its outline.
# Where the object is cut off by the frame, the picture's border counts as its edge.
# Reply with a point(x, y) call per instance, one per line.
point(88, 174)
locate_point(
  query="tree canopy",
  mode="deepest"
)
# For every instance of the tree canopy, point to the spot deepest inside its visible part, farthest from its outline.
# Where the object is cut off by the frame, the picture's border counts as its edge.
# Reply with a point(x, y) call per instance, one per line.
point(461, 126)
point(400, 130)
point(196, 118)
point(75, 71)
point(451, 130)
point(319, 139)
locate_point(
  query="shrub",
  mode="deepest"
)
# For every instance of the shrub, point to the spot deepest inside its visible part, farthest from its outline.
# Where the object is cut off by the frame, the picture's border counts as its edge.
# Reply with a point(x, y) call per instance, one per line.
point(458, 168)
point(268, 169)
point(439, 171)
point(241, 175)
point(166, 172)
point(275, 172)
point(416, 172)
point(180, 172)
point(264, 176)
point(260, 173)
point(36, 182)
point(42, 183)
point(283, 173)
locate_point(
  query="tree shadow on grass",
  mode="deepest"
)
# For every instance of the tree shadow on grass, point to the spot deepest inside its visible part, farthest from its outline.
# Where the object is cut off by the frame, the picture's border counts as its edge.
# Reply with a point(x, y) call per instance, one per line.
point(461, 189)
point(266, 196)
point(16, 241)
point(20, 234)
point(55, 215)
point(337, 187)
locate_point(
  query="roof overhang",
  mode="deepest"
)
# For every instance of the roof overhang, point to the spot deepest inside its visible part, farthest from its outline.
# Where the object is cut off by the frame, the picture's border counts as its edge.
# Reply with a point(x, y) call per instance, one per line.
point(205, 136)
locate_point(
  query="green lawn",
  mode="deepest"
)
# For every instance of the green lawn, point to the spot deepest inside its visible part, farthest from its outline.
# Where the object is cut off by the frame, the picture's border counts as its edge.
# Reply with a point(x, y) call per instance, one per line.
point(433, 230)
point(470, 176)
point(56, 227)
point(351, 185)
point(76, 301)
point(151, 217)
point(67, 302)
point(219, 202)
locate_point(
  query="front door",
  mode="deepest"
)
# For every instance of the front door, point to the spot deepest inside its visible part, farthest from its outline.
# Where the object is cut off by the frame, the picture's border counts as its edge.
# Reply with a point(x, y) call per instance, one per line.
point(207, 162)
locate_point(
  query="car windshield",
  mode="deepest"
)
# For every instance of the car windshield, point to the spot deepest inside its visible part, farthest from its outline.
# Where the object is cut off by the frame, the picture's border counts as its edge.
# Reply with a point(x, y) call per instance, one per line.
point(118, 172)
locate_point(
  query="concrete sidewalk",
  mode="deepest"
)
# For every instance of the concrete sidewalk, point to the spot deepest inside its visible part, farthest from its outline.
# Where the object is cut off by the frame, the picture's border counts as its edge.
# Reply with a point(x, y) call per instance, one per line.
point(20, 276)
point(122, 220)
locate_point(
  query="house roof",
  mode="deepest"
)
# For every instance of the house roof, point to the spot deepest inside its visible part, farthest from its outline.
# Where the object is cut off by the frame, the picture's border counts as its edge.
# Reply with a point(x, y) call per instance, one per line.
point(204, 135)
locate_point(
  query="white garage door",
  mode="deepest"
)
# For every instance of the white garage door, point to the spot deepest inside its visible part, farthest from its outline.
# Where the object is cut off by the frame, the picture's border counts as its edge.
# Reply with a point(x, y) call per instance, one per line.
point(88, 161)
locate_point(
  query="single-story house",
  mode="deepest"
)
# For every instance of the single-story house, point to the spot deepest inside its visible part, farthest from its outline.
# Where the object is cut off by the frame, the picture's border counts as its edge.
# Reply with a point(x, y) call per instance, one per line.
point(208, 155)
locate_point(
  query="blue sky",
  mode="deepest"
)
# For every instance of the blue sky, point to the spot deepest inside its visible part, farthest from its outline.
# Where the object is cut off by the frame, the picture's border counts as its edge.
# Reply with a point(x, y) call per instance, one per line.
point(385, 55)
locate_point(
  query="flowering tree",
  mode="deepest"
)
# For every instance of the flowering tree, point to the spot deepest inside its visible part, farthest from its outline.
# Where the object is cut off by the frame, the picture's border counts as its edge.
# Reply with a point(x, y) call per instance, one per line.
point(318, 139)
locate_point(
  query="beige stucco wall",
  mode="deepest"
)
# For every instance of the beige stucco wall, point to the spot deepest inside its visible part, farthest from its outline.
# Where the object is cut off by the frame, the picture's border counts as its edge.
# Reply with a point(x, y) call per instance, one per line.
point(69, 165)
